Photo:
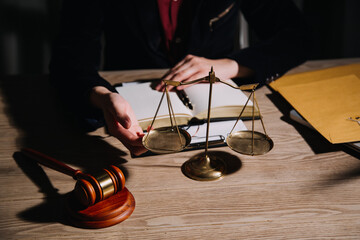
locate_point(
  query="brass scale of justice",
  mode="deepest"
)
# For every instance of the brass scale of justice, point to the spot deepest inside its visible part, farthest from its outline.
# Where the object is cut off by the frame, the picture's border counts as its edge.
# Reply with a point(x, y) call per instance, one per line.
point(206, 167)
point(102, 200)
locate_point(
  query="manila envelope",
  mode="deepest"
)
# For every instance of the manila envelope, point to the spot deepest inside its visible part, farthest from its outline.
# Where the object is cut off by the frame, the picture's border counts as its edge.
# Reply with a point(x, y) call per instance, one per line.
point(317, 75)
point(327, 105)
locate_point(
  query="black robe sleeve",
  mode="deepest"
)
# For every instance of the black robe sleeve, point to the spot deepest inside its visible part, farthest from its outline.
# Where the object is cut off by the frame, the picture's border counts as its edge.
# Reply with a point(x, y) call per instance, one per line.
point(284, 38)
point(76, 57)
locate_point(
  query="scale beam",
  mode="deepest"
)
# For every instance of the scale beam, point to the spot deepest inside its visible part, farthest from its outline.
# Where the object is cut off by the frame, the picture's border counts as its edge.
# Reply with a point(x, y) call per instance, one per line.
point(207, 167)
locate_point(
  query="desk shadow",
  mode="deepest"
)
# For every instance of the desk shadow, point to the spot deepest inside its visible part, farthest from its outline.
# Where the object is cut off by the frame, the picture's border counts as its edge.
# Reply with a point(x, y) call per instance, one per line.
point(42, 124)
point(342, 177)
point(334, 179)
point(314, 139)
point(51, 210)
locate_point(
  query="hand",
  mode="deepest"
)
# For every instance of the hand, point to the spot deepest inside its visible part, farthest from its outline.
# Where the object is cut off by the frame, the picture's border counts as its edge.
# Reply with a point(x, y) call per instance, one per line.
point(120, 118)
point(193, 67)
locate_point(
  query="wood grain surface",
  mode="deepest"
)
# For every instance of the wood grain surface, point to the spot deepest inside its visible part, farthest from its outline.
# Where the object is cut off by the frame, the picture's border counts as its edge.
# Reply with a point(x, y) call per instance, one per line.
point(304, 188)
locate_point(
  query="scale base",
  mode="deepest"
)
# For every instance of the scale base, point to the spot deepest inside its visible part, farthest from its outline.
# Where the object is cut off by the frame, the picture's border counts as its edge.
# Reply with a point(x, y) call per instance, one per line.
point(106, 213)
point(204, 168)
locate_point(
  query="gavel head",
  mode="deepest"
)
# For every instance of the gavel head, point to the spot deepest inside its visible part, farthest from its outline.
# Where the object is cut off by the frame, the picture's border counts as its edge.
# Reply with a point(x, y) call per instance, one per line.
point(92, 189)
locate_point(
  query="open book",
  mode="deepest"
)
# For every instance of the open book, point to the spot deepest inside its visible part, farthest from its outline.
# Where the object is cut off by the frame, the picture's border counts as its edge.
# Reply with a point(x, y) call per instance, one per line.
point(226, 103)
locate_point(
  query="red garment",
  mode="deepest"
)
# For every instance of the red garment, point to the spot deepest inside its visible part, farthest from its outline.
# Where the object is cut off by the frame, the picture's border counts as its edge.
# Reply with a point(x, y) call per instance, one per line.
point(169, 10)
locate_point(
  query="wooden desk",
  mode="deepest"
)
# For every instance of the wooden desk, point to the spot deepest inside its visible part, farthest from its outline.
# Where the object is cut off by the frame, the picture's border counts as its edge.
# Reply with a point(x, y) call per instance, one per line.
point(304, 188)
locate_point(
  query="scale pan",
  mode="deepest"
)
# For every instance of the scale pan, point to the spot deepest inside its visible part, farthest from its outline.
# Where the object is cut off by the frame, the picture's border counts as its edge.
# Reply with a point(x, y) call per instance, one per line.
point(166, 140)
point(242, 142)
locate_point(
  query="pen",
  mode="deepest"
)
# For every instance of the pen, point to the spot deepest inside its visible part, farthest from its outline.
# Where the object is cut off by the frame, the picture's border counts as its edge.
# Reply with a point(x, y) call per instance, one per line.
point(184, 98)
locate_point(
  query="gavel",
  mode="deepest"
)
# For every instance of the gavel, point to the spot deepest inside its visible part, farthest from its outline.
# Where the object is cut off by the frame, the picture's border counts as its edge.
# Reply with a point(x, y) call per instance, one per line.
point(88, 189)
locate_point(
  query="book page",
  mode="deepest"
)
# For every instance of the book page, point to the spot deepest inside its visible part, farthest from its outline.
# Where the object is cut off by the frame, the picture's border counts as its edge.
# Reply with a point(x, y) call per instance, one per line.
point(222, 96)
point(144, 100)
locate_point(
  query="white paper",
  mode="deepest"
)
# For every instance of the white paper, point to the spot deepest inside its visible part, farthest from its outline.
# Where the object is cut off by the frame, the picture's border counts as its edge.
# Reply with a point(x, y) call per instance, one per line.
point(216, 130)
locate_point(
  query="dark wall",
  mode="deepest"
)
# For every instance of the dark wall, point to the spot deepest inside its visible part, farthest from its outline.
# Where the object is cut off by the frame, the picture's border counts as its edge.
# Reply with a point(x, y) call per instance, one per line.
point(27, 28)
point(336, 27)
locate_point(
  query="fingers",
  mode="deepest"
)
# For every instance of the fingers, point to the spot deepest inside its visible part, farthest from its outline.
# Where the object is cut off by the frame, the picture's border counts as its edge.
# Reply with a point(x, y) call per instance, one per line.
point(178, 65)
point(196, 76)
point(180, 72)
point(129, 136)
point(120, 118)
point(188, 69)
point(183, 75)
point(119, 108)
point(138, 150)
point(193, 67)
point(171, 70)
point(131, 141)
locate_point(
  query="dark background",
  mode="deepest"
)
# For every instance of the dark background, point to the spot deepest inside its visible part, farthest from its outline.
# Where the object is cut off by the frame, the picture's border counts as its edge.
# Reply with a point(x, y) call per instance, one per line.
point(27, 28)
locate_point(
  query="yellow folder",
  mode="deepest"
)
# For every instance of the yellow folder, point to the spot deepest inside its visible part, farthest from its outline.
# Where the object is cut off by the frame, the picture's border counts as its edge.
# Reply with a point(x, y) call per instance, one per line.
point(311, 76)
point(326, 99)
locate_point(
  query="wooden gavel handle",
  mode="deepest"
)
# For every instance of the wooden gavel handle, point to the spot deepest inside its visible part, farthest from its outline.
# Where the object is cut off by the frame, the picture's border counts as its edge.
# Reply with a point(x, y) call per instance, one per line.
point(51, 162)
